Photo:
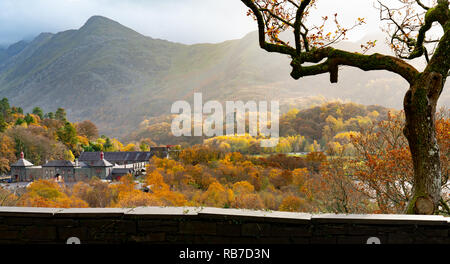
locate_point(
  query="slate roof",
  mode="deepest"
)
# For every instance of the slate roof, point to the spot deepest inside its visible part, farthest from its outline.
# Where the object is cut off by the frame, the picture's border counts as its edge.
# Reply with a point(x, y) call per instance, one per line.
point(116, 157)
point(121, 171)
point(83, 165)
point(59, 163)
point(101, 163)
point(22, 163)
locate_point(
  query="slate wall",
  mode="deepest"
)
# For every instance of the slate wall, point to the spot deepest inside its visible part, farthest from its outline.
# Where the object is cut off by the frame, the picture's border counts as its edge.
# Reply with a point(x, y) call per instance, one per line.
point(188, 225)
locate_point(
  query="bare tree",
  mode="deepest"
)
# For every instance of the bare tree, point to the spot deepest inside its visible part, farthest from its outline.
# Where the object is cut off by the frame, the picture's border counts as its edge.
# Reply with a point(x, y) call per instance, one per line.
point(407, 23)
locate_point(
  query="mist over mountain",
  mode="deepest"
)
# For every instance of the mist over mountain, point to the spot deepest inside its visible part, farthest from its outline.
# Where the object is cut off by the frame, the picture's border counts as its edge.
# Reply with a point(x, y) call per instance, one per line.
point(117, 77)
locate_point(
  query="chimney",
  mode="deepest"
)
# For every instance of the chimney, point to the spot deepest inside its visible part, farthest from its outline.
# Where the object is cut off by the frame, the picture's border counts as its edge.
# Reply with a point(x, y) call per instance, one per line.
point(22, 155)
point(102, 155)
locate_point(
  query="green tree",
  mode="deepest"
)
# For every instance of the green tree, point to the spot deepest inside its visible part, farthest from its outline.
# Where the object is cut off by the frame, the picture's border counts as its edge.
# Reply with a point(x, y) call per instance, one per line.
point(3, 124)
point(108, 146)
point(19, 121)
point(29, 119)
point(60, 114)
point(67, 134)
point(5, 109)
point(16, 110)
point(50, 115)
point(142, 146)
point(38, 111)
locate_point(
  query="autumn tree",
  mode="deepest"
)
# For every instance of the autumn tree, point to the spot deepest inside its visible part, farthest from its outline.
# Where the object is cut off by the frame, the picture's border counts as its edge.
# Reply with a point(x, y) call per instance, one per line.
point(37, 148)
point(7, 153)
point(312, 53)
point(336, 190)
point(146, 143)
point(245, 196)
point(7, 198)
point(128, 196)
point(87, 129)
point(383, 162)
point(95, 192)
point(292, 203)
point(45, 193)
point(280, 178)
point(217, 195)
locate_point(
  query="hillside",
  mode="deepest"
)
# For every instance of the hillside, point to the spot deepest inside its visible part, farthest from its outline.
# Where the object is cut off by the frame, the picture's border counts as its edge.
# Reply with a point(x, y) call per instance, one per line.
point(317, 126)
point(117, 77)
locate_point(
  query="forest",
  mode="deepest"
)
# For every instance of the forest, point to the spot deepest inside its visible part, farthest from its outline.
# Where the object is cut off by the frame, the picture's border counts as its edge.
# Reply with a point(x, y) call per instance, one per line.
point(356, 160)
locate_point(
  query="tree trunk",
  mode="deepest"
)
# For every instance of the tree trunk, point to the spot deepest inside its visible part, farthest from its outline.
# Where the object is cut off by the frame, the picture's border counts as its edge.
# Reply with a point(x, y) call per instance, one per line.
point(420, 111)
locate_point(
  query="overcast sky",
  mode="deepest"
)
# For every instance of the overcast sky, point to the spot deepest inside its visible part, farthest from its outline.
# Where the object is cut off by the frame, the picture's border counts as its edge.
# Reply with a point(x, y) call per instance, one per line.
point(185, 21)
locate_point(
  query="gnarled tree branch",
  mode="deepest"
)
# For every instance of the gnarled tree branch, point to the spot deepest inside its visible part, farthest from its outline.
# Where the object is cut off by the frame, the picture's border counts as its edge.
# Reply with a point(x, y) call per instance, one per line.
point(336, 57)
point(436, 14)
point(269, 47)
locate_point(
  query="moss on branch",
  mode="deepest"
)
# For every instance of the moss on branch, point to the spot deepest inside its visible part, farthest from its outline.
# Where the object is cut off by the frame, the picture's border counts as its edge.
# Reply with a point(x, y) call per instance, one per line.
point(336, 57)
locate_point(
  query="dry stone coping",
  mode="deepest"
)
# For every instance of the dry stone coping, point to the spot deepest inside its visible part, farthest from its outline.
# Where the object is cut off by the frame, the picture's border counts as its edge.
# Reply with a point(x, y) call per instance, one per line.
point(210, 212)
point(165, 211)
point(28, 211)
point(381, 219)
point(247, 213)
point(90, 212)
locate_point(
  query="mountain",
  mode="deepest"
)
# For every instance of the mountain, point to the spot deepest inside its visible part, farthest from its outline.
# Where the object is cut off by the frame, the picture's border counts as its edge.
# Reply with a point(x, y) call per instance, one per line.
point(12, 50)
point(117, 77)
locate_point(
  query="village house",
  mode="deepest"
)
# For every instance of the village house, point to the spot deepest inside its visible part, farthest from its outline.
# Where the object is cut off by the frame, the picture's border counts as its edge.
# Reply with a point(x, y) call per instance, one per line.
point(103, 165)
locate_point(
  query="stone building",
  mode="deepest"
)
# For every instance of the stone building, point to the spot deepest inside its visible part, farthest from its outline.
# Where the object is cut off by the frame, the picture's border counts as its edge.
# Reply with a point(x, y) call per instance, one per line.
point(106, 166)
point(23, 170)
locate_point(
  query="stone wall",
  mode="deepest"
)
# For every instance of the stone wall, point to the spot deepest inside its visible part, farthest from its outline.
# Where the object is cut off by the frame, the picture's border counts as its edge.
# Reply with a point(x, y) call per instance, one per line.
point(189, 225)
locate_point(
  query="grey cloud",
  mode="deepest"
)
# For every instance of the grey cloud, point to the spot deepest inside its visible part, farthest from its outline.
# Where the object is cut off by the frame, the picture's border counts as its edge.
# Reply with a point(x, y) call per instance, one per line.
point(185, 21)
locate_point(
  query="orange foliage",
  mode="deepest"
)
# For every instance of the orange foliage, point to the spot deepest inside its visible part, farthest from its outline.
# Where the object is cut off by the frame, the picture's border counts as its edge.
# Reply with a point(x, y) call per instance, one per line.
point(217, 196)
point(280, 178)
point(137, 198)
point(300, 176)
point(161, 190)
point(243, 187)
point(45, 193)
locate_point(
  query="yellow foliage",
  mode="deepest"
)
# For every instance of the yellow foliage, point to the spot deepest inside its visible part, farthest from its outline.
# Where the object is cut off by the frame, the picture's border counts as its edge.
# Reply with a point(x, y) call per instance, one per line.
point(292, 203)
point(300, 176)
point(116, 144)
point(129, 147)
point(243, 187)
point(68, 155)
point(217, 196)
point(84, 141)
